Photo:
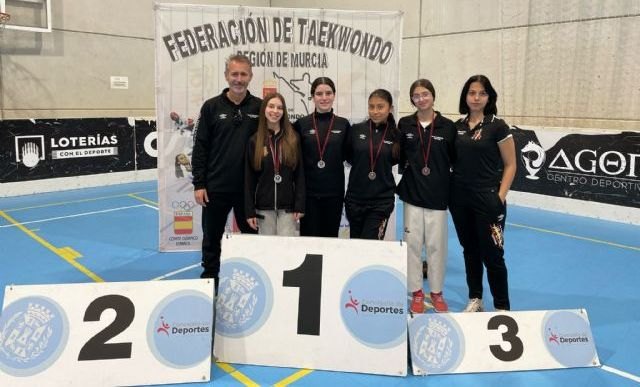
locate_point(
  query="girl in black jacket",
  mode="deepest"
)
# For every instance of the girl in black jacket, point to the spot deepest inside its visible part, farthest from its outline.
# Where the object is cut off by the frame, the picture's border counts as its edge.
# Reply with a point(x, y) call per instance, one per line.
point(372, 150)
point(323, 136)
point(274, 178)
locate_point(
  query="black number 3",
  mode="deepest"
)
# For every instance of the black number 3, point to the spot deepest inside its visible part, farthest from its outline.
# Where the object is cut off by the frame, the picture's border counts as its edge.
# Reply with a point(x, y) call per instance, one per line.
point(97, 348)
point(510, 336)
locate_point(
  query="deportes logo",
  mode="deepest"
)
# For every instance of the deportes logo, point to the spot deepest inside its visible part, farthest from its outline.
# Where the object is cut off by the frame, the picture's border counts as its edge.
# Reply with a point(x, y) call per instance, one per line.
point(533, 158)
point(437, 344)
point(372, 307)
point(33, 334)
point(179, 331)
point(567, 337)
point(245, 298)
point(29, 150)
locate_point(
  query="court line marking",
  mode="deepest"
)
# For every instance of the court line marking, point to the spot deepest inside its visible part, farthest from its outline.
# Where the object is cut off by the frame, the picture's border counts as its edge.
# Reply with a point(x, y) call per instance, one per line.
point(239, 376)
point(77, 215)
point(66, 253)
point(293, 377)
point(133, 195)
point(621, 373)
point(560, 233)
point(76, 201)
point(175, 272)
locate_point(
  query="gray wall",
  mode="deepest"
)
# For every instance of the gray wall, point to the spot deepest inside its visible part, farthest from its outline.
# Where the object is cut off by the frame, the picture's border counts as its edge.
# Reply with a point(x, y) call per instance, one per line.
point(570, 63)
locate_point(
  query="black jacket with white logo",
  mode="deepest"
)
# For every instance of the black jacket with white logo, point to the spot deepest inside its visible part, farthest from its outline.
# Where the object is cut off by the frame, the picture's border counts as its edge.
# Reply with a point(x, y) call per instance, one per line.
point(327, 181)
point(220, 140)
point(262, 192)
point(430, 191)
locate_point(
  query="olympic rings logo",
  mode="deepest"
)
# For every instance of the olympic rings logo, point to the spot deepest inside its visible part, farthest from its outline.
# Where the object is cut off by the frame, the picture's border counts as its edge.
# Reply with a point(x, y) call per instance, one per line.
point(184, 205)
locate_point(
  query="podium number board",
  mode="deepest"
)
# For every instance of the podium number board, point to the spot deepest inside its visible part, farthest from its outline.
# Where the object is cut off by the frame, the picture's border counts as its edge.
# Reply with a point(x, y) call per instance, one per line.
point(319, 303)
point(501, 341)
point(106, 334)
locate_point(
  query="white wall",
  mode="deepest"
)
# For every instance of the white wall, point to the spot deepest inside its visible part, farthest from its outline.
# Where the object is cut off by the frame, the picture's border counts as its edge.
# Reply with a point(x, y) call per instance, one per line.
point(570, 63)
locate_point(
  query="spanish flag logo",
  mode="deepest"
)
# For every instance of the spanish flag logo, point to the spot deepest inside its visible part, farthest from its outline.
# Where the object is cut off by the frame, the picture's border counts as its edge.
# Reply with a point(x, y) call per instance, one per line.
point(182, 222)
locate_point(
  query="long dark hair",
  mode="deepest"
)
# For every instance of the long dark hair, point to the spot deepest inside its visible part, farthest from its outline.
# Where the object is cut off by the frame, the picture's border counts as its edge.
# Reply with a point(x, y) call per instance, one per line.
point(491, 107)
point(289, 138)
point(391, 121)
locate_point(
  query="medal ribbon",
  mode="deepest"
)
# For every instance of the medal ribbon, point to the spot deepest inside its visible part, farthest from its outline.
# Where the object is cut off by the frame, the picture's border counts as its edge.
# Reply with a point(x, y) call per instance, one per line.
point(275, 153)
point(322, 148)
point(372, 161)
point(425, 155)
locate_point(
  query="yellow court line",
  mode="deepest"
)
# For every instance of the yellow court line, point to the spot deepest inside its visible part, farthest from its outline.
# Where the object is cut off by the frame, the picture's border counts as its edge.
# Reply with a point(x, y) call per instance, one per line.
point(292, 378)
point(239, 376)
point(66, 253)
point(634, 248)
point(133, 195)
point(75, 201)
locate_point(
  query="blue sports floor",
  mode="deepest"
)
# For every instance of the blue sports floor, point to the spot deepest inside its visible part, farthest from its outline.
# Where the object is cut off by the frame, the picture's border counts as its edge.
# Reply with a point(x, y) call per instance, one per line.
point(555, 261)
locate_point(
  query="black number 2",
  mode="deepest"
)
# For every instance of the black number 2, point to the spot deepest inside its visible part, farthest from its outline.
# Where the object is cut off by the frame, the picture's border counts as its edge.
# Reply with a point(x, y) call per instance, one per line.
point(97, 347)
point(510, 336)
point(307, 277)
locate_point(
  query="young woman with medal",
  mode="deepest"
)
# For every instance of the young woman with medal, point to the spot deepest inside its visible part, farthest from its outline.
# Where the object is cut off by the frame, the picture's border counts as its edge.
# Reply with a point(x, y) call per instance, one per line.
point(483, 171)
point(427, 150)
point(323, 134)
point(274, 177)
point(372, 150)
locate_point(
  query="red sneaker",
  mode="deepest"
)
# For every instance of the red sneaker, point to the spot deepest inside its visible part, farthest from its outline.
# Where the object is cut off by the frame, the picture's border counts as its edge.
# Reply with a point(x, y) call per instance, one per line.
point(417, 302)
point(439, 304)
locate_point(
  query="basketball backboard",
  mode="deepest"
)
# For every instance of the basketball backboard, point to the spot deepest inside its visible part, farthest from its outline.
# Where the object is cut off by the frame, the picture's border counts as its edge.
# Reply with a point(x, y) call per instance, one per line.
point(28, 15)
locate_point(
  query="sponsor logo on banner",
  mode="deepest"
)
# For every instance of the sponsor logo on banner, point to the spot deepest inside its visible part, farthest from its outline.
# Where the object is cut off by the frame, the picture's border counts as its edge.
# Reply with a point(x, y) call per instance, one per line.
point(567, 337)
point(437, 343)
point(29, 150)
point(533, 157)
point(372, 306)
point(83, 146)
point(245, 298)
point(594, 167)
point(179, 331)
point(182, 222)
point(33, 334)
point(269, 86)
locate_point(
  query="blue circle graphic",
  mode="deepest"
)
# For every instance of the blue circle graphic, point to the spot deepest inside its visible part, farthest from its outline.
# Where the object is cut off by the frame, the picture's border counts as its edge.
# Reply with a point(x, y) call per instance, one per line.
point(179, 331)
point(33, 333)
point(373, 307)
point(437, 343)
point(567, 337)
point(245, 298)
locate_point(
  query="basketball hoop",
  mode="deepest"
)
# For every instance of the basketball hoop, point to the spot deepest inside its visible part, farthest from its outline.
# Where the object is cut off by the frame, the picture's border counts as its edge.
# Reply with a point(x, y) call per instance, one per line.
point(4, 18)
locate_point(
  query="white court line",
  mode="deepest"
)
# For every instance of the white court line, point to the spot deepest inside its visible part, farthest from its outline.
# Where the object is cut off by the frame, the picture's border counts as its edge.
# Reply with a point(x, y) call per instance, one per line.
point(176, 272)
point(150, 206)
point(621, 373)
point(77, 215)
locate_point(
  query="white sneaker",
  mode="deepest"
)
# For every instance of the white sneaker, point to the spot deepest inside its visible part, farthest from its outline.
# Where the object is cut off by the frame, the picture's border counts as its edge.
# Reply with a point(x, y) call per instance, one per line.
point(474, 305)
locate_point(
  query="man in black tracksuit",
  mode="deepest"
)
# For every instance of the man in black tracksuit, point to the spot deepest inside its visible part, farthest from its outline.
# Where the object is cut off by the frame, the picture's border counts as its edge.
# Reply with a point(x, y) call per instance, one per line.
point(226, 122)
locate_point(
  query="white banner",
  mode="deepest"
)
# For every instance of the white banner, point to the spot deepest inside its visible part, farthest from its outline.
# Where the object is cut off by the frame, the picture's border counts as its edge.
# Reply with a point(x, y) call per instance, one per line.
point(289, 48)
point(318, 303)
point(106, 334)
point(501, 341)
